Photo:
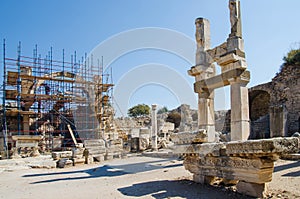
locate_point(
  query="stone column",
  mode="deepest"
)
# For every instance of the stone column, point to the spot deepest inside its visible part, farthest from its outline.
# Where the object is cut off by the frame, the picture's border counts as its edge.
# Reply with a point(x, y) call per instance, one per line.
point(26, 124)
point(235, 18)
point(240, 126)
point(206, 115)
point(154, 127)
point(278, 120)
point(204, 69)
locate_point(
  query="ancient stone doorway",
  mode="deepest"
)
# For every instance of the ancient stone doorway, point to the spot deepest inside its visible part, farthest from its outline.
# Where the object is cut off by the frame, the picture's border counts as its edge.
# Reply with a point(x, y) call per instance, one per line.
point(259, 103)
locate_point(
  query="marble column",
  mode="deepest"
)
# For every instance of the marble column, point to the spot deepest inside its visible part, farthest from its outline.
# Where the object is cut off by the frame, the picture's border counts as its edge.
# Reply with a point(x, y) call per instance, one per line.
point(240, 126)
point(154, 127)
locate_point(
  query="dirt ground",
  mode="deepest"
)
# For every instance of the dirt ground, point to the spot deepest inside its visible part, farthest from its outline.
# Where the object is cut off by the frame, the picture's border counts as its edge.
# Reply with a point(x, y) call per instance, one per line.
point(134, 177)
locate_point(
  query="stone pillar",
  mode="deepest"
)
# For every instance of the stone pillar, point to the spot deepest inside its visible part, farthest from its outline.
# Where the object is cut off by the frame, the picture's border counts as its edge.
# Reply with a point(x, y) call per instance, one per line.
point(235, 18)
point(26, 124)
point(240, 126)
point(154, 127)
point(206, 116)
point(204, 69)
point(278, 119)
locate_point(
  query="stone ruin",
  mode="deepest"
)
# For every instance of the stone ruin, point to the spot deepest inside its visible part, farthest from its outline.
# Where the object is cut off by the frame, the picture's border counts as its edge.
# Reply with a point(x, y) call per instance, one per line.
point(248, 164)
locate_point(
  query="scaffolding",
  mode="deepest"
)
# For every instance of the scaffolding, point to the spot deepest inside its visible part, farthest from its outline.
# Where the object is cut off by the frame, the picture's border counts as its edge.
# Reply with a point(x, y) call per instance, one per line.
point(56, 99)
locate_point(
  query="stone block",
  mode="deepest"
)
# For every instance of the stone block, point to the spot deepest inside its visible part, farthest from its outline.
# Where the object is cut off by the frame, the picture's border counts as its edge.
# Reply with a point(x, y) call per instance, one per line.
point(252, 189)
point(231, 168)
point(109, 157)
point(65, 162)
point(188, 138)
point(221, 80)
point(78, 161)
point(235, 43)
point(238, 64)
point(263, 147)
point(198, 178)
point(94, 142)
point(99, 158)
point(230, 58)
point(198, 69)
point(202, 150)
point(89, 160)
point(56, 155)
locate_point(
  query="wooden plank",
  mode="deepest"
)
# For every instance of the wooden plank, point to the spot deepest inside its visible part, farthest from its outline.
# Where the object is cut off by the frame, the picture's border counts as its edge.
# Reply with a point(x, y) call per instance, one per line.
point(72, 135)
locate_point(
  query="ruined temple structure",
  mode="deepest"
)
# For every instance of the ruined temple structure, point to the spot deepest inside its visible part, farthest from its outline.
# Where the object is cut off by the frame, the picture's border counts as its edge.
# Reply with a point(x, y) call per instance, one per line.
point(248, 164)
point(230, 56)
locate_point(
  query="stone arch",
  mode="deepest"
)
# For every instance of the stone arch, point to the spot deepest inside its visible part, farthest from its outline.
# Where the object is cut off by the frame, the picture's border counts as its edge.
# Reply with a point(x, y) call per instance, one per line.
point(259, 105)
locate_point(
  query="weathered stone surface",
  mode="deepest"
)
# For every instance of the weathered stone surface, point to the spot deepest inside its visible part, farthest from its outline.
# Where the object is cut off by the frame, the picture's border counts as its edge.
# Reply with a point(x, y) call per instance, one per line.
point(64, 162)
point(56, 155)
point(249, 162)
point(188, 138)
point(280, 103)
point(221, 80)
point(202, 150)
point(231, 168)
point(42, 164)
point(252, 189)
point(96, 148)
point(263, 147)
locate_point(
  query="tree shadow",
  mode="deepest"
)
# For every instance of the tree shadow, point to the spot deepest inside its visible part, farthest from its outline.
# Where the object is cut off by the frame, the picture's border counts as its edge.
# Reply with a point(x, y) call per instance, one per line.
point(178, 188)
point(104, 171)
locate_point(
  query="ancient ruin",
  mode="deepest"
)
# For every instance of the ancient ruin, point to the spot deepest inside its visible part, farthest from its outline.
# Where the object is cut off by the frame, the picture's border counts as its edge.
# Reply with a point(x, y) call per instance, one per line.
point(248, 164)
point(58, 114)
point(230, 56)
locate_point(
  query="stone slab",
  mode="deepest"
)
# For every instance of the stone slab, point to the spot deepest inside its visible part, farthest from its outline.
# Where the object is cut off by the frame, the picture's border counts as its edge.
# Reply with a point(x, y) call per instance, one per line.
point(221, 80)
point(263, 147)
point(202, 150)
point(56, 155)
point(188, 138)
point(250, 170)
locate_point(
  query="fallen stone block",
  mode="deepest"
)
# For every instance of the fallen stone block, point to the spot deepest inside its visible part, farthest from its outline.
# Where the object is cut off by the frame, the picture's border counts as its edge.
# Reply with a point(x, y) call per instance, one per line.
point(61, 154)
point(78, 161)
point(65, 162)
point(252, 189)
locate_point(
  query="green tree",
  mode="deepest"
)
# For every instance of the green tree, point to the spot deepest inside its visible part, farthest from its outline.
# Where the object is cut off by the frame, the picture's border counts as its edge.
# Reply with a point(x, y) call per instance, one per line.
point(163, 110)
point(292, 58)
point(139, 110)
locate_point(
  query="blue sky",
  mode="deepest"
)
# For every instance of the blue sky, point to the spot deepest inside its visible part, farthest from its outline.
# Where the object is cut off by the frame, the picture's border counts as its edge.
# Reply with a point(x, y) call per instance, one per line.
point(270, 28)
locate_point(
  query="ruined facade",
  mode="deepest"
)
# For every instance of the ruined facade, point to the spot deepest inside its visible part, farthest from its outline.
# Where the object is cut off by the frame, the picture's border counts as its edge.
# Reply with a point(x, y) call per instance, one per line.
point(274, 106)
point(248, 164)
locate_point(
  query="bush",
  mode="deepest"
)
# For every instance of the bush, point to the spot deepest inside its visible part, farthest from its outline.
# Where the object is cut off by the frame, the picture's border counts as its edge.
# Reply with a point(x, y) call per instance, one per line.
point(292, 58)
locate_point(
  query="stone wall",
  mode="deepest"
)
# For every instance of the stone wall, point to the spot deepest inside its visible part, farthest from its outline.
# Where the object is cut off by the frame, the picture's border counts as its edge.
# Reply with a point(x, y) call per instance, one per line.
point(282, 92)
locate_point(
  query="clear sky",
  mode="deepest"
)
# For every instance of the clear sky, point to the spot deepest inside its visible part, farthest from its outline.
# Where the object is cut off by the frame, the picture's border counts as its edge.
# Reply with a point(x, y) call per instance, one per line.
point(270, 28)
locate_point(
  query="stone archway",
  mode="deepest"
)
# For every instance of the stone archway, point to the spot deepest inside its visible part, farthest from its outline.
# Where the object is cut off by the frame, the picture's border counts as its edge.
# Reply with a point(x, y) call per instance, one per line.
point(259, 105)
